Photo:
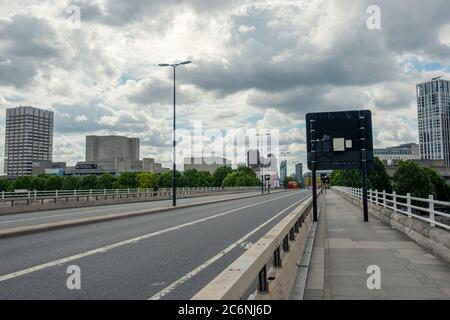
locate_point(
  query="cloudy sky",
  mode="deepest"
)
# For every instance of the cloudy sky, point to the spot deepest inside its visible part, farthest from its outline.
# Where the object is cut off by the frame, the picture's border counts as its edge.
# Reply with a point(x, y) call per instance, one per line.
point(256, 65)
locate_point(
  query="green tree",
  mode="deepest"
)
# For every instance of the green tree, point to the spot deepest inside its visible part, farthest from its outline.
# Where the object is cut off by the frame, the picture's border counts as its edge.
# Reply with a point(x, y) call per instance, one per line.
point(70, 183)
point(38, 183)
point(205, 179)
point(165, 179)
point(127, 180)
point(22, 183)
point(147, 180)
point(346, 178)
point(241, 178)
point(53, 183)
point(412, 178)
point(105, 181)
point(440, 185)
point(377, 177)
point(88, 182)
point(5, 185)
point(220, 174)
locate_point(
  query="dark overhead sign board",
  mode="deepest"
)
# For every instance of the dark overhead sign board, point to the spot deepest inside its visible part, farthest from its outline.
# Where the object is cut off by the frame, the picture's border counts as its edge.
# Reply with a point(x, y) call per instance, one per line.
point(341, 140)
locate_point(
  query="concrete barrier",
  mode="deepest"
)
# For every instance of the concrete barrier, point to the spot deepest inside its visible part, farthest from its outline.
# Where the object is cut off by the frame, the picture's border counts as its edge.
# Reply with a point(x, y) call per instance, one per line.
point(283, 245)
point(99, 200)
point(435, 239)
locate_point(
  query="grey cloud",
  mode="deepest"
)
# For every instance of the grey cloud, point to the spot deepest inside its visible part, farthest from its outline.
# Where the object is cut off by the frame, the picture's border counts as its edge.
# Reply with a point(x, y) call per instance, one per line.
point(26, 43)
point(120, 13)
point(413, 26)
point(148, 91)
point(356, 59)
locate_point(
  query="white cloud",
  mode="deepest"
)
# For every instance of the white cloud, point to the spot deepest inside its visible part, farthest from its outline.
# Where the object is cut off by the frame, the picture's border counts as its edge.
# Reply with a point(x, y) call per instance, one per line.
point(256, 64)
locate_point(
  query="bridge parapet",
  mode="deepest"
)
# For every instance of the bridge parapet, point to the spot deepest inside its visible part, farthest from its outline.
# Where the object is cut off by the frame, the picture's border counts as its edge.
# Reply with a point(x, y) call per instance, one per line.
point(272, 262)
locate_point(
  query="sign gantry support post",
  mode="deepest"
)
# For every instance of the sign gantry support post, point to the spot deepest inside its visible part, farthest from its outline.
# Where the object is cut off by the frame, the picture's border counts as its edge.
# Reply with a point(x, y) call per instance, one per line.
point(362, 129)
point(313, 140)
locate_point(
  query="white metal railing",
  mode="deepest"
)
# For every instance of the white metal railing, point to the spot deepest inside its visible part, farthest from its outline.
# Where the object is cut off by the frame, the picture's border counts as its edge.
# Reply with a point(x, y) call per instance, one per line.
point(30, 196)
point(404, 205)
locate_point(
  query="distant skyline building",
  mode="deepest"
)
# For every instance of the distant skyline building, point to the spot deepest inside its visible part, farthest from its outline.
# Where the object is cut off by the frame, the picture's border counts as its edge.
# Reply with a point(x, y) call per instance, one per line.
point(299, 172)
point(283, 171)
point(109, 148)
point(28, 138)
point(409, 151)
point(433, 108)
point(114, 155)
point(209, 164)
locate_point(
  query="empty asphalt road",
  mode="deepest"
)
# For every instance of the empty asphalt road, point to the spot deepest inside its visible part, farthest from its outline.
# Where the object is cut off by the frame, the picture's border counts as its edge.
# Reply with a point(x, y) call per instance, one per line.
point(49, 216)
point(167, 255)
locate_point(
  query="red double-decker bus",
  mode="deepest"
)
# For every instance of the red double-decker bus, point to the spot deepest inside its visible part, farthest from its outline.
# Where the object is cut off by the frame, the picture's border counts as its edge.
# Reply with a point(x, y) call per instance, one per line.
point(293, 185)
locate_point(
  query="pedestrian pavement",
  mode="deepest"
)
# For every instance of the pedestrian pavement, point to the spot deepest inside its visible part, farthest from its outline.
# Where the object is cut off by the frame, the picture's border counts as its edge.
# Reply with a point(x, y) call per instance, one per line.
point(346, 246)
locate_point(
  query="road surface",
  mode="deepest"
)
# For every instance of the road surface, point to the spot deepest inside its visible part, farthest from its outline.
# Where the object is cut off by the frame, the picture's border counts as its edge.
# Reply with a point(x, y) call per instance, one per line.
point(168, 255)
point(48, 216)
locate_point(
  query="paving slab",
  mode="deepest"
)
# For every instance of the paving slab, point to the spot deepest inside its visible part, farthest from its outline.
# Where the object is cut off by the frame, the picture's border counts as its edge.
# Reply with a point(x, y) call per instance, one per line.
point(348, 246)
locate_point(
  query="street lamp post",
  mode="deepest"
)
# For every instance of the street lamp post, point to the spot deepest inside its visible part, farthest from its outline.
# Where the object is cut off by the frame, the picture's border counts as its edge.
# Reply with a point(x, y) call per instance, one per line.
point(174, 174)
point(285, 168)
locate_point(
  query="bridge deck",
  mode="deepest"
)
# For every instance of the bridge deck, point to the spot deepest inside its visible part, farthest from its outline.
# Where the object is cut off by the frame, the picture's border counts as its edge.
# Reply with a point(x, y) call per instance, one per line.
point(346, 246)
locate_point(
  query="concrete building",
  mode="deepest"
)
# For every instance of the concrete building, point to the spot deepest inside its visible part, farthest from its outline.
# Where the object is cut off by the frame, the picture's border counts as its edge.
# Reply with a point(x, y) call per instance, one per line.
point(410, 151)
point(113, 155)
point(433, 108)
point(47, 167)
point(268, 166)
point(112, 148)
point(209, 164)
point(28, 138)
point(253, 159)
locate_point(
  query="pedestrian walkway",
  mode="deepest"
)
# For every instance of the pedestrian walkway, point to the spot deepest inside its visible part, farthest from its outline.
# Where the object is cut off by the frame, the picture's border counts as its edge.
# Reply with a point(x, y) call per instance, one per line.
point(345, 247)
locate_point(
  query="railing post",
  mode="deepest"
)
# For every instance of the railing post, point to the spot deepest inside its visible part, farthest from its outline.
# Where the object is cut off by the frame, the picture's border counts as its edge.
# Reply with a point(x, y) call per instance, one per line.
point(376, 197)
point(384, 198)
point(370, 195)
point(277, 258)
point(263, 286)
point(394, 200)
point(3, 195)
point(431, 206)
point(408, 204)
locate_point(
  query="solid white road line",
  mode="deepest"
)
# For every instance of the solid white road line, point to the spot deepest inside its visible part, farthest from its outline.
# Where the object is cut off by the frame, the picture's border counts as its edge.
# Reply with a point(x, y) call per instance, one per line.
point(200, 268)
point(127, 242)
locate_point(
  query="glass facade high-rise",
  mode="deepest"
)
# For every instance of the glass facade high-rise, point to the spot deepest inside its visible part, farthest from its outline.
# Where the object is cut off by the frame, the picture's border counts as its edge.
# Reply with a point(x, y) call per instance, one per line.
point(283, 171)
point(299, 172)
point(433, 107)
point(28, 138)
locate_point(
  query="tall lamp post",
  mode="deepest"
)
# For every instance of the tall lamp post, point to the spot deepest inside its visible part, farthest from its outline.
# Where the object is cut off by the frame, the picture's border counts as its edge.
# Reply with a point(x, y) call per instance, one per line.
point(262, 165)
point(174, 174)
point(285, 168)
